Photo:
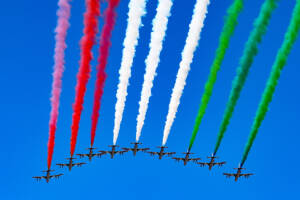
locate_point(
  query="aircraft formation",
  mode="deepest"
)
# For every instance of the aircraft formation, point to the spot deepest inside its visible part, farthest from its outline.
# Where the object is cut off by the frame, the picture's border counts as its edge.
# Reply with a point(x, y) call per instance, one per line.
point(137, 9)
point(92, 153)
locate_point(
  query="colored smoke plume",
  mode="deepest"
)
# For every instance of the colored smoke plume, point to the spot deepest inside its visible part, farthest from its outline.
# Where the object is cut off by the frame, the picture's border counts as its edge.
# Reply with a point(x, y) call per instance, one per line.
point(87, 42)
point(105, 43)
point(62, 27)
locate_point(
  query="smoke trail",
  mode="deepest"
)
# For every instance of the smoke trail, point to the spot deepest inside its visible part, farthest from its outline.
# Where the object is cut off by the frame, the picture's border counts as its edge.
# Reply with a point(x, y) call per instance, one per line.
point(196, 26)
point(63, 15)
point(160, 23)
point(105, 43)
point(281, 59)
point(228, 30)
point(90, 30)
point(136, 11)
point(250, 51)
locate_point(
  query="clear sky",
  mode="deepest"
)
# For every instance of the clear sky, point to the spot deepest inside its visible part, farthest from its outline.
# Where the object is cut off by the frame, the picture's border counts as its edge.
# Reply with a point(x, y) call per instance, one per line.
point(26, 53)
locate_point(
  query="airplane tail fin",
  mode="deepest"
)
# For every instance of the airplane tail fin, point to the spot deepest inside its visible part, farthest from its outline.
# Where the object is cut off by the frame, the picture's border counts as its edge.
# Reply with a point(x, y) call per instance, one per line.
point(136, 143)
point(48, 170)
point(239, 168)
point(210, 157)
point(164, 147)
point(113, 145)
point(71, 158)
point(188, 153)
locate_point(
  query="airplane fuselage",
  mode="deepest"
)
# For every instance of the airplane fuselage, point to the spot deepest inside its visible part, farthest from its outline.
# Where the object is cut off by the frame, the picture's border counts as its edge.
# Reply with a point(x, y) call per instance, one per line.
point(90, 155)
point(113, 152)
point(161, 154)
point(186, 160)
point(48, 177)
point(70, 164)
point(135, 149)
point(211, 164)
point(238, 175)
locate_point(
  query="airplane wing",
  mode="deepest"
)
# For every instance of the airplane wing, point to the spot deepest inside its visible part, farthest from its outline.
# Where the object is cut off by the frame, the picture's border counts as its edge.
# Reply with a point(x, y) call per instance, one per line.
point(178, 159)
point(142, 150)
point(82, 155)
point(202, 164)
point(194, 159)
point(57, 176)
point(121, 152)
point(145, 149)
point(220, 164)
point(170, 154)
point(38, 178)
point(62, 165)
point(228, 175)
point(246, 175)
point(104, 152)
point(98, 154)
point(152, 153)
point(79, 164)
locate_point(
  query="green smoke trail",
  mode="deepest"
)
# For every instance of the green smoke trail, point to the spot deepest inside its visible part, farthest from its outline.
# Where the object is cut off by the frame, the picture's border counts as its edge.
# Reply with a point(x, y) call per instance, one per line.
point(228, 30)
point(250, 51)
point(290, 38)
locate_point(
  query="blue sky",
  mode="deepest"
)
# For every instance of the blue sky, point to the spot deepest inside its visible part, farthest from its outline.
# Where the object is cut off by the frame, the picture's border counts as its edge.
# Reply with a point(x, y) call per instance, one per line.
point(27, 42)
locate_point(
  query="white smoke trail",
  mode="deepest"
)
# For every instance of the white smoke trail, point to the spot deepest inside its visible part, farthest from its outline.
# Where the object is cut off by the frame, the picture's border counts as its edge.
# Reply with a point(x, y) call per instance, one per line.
point(192, 40)
point(159, 28)
point(135, 13)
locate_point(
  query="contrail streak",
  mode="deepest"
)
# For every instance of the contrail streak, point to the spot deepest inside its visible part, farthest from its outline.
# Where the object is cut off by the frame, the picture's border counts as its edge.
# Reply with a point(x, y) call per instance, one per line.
point(105, 43)
point(192, 40)
point(250, 51)
point(160, 23)
point(281, 59)
point(136, 11)
point(88, 40)
point(228, 30)
point(62, 27)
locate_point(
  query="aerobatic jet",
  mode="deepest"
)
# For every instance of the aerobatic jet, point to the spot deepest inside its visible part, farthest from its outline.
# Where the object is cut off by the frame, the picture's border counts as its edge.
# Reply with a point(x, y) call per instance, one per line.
point(48, 176)
point(187, 158)
point(113, 151)
point(212, 162)
point(161, 153)
point(136, 148)
point(91, 154)
point(238, 173)
point(70, 165)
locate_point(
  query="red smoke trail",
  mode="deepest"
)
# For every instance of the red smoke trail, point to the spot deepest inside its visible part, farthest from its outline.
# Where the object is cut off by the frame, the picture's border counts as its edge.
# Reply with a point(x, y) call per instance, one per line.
point(105, 43)
point(90, 30)
point(63, 14)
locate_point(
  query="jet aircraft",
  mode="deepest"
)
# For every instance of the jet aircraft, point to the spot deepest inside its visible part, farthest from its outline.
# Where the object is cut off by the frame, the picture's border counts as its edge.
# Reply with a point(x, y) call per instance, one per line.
point(70, 165)
point(212, 162)
point(238, 174)
point(91, 154)
point(48, 176)
point(113, 151)
point(161, 153)
point(187, 158)
point(135, 148)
